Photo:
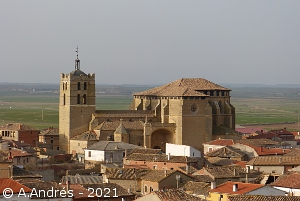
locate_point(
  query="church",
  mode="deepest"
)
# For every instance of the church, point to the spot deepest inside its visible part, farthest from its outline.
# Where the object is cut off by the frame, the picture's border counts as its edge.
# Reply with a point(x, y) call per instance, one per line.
point(182, 112)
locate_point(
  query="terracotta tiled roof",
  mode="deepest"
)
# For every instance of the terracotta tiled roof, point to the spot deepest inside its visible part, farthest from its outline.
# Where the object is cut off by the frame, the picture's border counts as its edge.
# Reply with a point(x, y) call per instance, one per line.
point(203, 178)
point(226, 152)
point(241, 189)
point(125, 173)
point(175, 195)
point(113, 125)
point(124, 113)
point(42, 185)
point(17, 127)
point(263, 151)
point(249, 130)
point(161, 158)
point(288, 181)
point(183, 87)
point(262, 198)
point(199, 188)
point(227, 172)
point(257, 142)
point(18, 153)
point(13, 185)
point(111, 145)
point(158, 175)
point(220, 142)
point(50, 131)
point(86, 136)
point(293, 152)
point(275, 160)
point(220, 161)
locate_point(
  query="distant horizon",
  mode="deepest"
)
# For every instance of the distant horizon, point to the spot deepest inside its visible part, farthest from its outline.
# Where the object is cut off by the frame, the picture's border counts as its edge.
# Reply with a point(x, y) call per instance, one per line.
point(157, 84)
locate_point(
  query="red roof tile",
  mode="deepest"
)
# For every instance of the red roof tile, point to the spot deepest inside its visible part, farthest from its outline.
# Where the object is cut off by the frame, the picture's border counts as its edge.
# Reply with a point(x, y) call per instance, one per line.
point(13, 185)
point(289, 181)
point(221, 142)
point(242, 188)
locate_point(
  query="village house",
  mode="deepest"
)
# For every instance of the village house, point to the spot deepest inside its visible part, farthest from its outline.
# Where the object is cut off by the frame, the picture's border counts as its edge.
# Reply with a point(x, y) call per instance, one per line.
point(80, 142)
point(182, 150)
point(128, 178)
point(274, 164)
point(289, 183)
point(216, 144)
point(20, 132)
point(106, 152)
point(49, 137)
point(156, 180)
point(228, 173)
point(230, 188)
point(163, 162)
point(198, 189)
point(228, 152)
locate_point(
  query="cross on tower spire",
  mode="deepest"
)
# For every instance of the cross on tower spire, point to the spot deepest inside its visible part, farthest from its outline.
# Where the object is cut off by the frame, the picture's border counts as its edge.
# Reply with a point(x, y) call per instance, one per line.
point(77, 61)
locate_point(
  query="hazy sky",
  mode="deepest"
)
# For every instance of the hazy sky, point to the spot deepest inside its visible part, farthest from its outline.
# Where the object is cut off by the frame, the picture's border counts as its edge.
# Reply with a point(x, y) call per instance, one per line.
point(151, 42)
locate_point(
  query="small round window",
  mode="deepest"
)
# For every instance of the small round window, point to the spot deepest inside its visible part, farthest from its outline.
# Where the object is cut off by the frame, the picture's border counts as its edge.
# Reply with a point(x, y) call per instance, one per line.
point(193, 107)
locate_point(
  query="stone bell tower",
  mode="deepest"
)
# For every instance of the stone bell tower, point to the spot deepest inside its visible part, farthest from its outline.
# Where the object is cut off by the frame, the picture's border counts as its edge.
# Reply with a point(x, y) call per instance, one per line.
point(76, 104)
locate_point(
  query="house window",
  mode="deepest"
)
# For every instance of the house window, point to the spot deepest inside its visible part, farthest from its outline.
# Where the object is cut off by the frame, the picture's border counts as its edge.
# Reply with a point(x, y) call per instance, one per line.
point(145, 188)
point(84, 86)
point(51, 141)
point(154, 167)
point(78, 85)
point(90, 154)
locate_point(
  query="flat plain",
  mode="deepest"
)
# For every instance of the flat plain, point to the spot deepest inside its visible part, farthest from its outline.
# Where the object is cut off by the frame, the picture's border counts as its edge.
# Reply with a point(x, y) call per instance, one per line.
point(268, 107)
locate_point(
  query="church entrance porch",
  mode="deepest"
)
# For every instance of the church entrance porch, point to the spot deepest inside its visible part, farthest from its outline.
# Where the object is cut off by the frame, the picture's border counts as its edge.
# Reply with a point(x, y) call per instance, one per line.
point(159, 138)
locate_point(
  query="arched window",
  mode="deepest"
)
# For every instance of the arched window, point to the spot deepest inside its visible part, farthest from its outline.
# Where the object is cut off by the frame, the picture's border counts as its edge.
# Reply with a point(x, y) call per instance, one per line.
point(84, 86)
point(66, 86)
point(78, 99)
point(84, 99)
point(63, 86)
point(78, 85)
point(64, 99)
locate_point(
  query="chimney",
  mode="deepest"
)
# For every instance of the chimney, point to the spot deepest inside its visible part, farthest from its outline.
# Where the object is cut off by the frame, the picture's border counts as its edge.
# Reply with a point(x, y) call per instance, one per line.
point(213, 185)
point(235, 187)
point(68, 184)
point(165, 173)
point(261, 148)
point(169, 156)
point(20, 127)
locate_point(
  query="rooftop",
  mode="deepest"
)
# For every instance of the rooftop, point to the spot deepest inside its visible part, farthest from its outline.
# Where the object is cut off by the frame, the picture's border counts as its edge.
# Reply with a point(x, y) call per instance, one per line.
point(111, 145)
point(17, 127)
point(220, 142)
point(161, 158)
point(125, 173)
point(275, 160)
point(242, 188)
point(13, 185)
point(288, 181)
point(262, 198)
point(183, 87)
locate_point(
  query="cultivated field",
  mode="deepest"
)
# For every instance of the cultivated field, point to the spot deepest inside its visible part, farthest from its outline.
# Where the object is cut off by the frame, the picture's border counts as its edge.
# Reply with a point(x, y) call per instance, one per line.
point(271, 107)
